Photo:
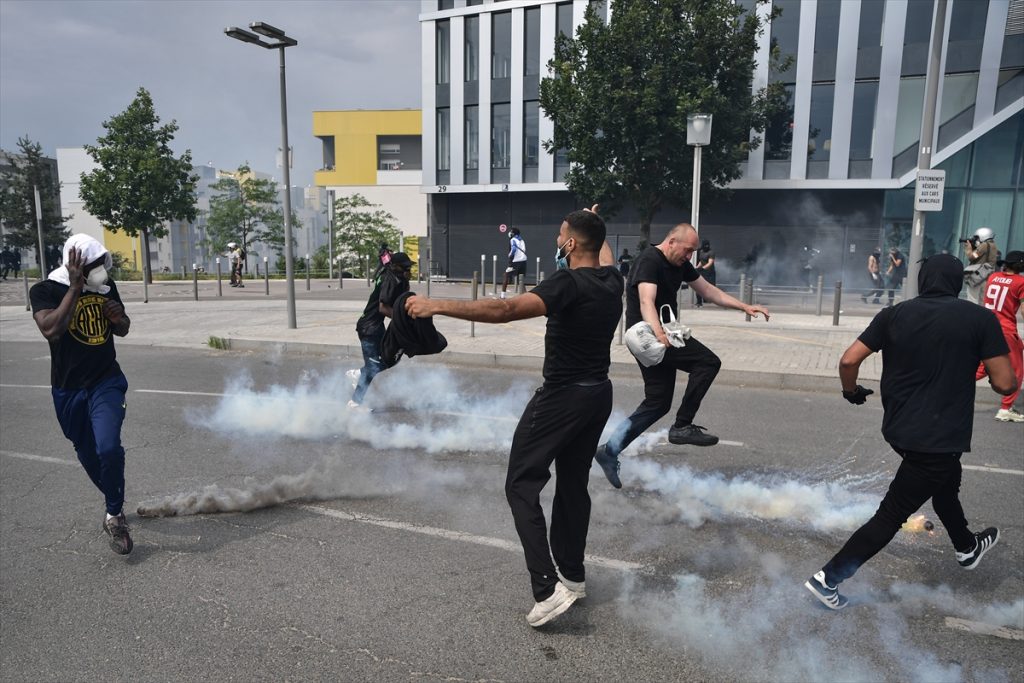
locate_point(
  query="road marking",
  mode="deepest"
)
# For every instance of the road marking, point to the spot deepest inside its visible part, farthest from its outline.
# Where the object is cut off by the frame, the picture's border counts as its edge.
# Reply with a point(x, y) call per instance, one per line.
point(179, 393)
point(780, 336)
point(721, 442)
point(501, 544)
point(982, 468)
point(25, 386)
point(984, 629)
point(39, 458)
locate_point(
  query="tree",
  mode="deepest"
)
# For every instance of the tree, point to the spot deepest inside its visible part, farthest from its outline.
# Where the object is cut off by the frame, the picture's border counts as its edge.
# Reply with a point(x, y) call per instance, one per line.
point(360, 228)
point(620, 94)
point(245, 209)
point(18, 204)
point(139, 183)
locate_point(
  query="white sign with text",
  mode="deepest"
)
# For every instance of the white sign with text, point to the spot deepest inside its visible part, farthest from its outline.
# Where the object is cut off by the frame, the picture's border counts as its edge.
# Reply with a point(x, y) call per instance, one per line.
point(928, 190)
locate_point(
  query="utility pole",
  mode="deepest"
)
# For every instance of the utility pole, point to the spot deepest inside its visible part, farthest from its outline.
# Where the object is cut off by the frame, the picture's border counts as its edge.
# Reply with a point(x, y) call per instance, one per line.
point(924, 155)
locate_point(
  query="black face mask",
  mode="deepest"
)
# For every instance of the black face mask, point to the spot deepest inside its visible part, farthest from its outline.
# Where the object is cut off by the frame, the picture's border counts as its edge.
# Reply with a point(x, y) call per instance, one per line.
point(940, 275)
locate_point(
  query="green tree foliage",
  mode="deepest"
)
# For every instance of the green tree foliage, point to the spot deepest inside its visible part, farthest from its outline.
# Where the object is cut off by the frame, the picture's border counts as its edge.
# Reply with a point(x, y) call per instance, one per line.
point(359, 228)
point(245, 209)
point(18, 204)
point(620, 94)
point(139, 184)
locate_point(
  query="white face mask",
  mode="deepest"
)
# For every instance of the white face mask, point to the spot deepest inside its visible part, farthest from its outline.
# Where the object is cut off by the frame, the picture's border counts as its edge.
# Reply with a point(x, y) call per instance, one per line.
point(96, 278)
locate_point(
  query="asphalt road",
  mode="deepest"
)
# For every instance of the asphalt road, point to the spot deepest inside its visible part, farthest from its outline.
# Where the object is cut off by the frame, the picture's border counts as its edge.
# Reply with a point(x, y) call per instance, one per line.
point(402, 563)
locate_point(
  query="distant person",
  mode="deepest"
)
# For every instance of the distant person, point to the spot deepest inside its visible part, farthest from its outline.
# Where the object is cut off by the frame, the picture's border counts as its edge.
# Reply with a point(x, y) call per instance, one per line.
point(625, 259)
point(653, 283)
point(78, 309)
point(706, 267)
point(562, 423)
point(16, 262)
point(1003, 295)
point(875, 275)
point(896, 272)
point(391, 282)
point(236, 258)
point(808, 262)
point(53, 257)
point(516, 259)
point(982, 256)
point(6, 262)
point(931, 346)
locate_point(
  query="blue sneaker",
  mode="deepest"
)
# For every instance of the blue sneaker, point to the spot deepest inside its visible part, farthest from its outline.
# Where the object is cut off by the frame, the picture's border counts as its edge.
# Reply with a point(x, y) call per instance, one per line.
point(828, 595)
point(610, 464)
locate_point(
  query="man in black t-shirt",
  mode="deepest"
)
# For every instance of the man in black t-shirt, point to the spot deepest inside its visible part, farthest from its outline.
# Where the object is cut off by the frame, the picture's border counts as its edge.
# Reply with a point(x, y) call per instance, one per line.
point(563, 421)
point(895, 272)
point(392, 281)
point(77, 308)
point(931, 347)
point(654, 280)
point(705, 266)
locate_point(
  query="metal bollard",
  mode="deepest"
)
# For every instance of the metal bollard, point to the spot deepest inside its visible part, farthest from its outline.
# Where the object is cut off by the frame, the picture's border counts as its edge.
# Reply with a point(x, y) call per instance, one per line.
point(483, 275)
point(742, 292)
point(494, 274)
point(307, 272)
point(838, 300)
point(195, 282)
point(520, 285)
point(472, 325)
point(821, 291)
point(538, 270)
point(430, 275)
point(28, 303)
point(266, 276)
point(341, 276)
point(184, 271)
point(622, 320)
point(257, 269)
point(220, 286)
point(368, 276)
point(540, 277)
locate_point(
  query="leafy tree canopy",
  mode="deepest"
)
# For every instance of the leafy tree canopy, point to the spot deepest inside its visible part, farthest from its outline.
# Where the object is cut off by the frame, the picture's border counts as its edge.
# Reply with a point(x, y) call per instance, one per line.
point(246, 209)
point(139, 183)
point(620, 94)
point(18, 205)
point(360, 227)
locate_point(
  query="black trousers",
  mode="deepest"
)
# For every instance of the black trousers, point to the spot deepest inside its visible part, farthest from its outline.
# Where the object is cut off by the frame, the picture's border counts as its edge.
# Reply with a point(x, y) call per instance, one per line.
point(920, 476)
point(560, 425)
point(659, 384)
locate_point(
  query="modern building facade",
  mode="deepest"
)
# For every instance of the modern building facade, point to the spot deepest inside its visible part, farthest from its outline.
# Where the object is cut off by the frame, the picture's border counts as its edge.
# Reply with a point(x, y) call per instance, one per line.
point(836, 175)
point(7, 165)
point(377, 154)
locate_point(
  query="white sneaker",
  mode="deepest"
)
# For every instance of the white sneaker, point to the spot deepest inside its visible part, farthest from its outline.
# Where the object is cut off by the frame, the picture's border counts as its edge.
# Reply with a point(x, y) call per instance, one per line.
point(1009, 415)
point(577, 588)
point(546, 610)
point(359, 407)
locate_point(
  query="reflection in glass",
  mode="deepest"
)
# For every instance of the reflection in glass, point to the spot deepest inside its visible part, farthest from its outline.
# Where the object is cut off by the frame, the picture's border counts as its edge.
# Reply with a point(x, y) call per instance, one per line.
point(443, 42)
point(472, 56)
point(501, 135)
point(501, 45)
point(471, 142)
point(531, 42)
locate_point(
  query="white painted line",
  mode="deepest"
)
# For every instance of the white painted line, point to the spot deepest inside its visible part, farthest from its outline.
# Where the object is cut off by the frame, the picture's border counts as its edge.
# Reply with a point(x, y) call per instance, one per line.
point(25, 386)
point(39, 458)
point(179, 393)
point(984, 629)
point(982, 468)
point(620, 565)
point(721, 442)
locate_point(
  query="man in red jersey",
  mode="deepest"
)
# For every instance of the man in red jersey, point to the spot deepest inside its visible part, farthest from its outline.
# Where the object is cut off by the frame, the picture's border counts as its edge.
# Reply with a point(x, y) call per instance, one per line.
point(1003, 295)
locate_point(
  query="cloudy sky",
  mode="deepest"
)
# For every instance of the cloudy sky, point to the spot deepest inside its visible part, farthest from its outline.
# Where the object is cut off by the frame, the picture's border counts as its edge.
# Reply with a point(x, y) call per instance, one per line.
point(65, 67)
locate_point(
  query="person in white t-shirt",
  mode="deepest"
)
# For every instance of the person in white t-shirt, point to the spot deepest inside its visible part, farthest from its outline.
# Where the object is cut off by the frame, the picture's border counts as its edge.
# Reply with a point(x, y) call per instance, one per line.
point(516, 259)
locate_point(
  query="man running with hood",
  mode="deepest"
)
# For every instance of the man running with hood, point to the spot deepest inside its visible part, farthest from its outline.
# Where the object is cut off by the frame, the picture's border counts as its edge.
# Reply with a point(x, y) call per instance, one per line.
point(77, 308)
point(931, 347)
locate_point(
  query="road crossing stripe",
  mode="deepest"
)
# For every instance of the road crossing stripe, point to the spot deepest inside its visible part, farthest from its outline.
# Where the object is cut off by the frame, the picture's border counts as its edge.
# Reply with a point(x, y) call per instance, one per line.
point(984, 629)
point(1000, 470)
point(39, 458)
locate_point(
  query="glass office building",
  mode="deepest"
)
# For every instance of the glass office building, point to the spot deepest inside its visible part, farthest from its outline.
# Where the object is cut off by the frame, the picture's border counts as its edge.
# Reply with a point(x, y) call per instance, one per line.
point(836, 174)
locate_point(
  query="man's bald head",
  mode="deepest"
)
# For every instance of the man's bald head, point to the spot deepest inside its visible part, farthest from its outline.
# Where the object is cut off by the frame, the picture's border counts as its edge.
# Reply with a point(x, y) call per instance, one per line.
point(679, 244)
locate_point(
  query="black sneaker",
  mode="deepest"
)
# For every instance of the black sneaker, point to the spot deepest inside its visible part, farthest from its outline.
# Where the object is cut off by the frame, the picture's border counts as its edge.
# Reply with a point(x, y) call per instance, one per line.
point(983, 541)
point(828, 595)
point(117, 529)
point(610, 464)
point(691, 434)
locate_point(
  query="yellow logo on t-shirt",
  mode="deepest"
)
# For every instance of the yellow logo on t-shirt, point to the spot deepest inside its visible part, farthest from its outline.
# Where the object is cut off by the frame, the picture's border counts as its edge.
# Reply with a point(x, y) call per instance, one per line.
point(88, 324)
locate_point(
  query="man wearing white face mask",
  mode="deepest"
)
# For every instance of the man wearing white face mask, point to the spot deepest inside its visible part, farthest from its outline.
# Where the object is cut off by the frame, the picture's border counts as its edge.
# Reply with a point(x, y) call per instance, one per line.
point(78, 309)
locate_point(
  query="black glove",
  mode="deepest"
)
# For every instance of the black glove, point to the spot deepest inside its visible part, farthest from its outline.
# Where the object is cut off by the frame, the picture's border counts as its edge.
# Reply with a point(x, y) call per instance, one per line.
point(858, 395)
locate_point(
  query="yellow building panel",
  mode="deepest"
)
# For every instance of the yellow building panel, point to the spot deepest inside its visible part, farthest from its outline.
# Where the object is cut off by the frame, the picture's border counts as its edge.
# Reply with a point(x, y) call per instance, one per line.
point(120, 242)
point(355, 141)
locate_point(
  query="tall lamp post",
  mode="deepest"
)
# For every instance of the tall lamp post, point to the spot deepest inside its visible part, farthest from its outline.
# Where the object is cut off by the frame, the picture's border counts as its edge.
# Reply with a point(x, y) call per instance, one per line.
point(281, 41)
point(698, 134)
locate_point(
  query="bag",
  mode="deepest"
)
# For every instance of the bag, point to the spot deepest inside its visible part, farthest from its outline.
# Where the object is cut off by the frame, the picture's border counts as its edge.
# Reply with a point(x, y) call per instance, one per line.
point(644, 346)
point(977, 274)
point(676, 331)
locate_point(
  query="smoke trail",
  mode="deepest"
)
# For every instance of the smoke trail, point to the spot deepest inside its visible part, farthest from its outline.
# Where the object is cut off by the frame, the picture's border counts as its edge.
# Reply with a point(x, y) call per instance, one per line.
point(333, 478)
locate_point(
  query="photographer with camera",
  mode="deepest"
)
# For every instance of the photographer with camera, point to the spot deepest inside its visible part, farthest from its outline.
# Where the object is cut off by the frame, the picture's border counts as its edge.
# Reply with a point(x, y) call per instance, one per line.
point(980, 249)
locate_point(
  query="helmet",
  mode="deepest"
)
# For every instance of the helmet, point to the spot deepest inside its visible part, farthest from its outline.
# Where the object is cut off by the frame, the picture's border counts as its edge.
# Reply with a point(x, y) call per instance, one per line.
point(984, 234)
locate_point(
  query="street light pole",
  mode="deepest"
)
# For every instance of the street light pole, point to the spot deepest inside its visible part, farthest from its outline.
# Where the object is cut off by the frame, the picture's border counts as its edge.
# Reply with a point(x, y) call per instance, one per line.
point(330, 234)
point(698, 134)
point(283, 42)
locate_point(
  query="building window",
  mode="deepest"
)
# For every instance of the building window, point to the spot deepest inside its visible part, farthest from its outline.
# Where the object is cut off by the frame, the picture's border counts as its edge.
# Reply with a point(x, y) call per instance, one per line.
point(819, 137)
point(778, 136)
point(443, 56)
point(472, 57)
point(445, 4)
point(471, 142)
point(531, 140)
point(785, 35)
point(443, 140)
point(869, 40)
point(862, 130)
point(531, 42)
point(501, 45)
point(501, 138)
point(826, 39)
point(563, 20)
point(966, 34)
point(916, 36)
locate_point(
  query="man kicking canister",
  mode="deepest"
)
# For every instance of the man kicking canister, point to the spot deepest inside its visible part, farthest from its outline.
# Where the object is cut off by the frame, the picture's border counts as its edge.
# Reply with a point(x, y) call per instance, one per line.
point(930, 348)
point(654, 279)
point(562, 423)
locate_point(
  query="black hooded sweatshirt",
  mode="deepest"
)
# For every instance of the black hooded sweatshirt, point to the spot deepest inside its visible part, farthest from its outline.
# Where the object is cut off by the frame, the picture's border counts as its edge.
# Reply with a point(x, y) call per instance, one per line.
point(931, 347)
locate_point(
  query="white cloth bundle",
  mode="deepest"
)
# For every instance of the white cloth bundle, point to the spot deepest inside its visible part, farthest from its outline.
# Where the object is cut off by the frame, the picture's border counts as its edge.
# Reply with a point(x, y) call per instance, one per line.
point(90, 250)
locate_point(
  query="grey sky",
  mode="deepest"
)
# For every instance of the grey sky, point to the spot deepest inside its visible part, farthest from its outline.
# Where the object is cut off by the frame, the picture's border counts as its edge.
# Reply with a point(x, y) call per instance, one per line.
point(65, 67)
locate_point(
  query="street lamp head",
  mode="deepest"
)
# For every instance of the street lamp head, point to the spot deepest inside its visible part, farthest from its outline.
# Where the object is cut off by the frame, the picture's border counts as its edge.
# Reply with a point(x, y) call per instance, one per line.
point(698, 130)
point(242, 35)
point(265, 29)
